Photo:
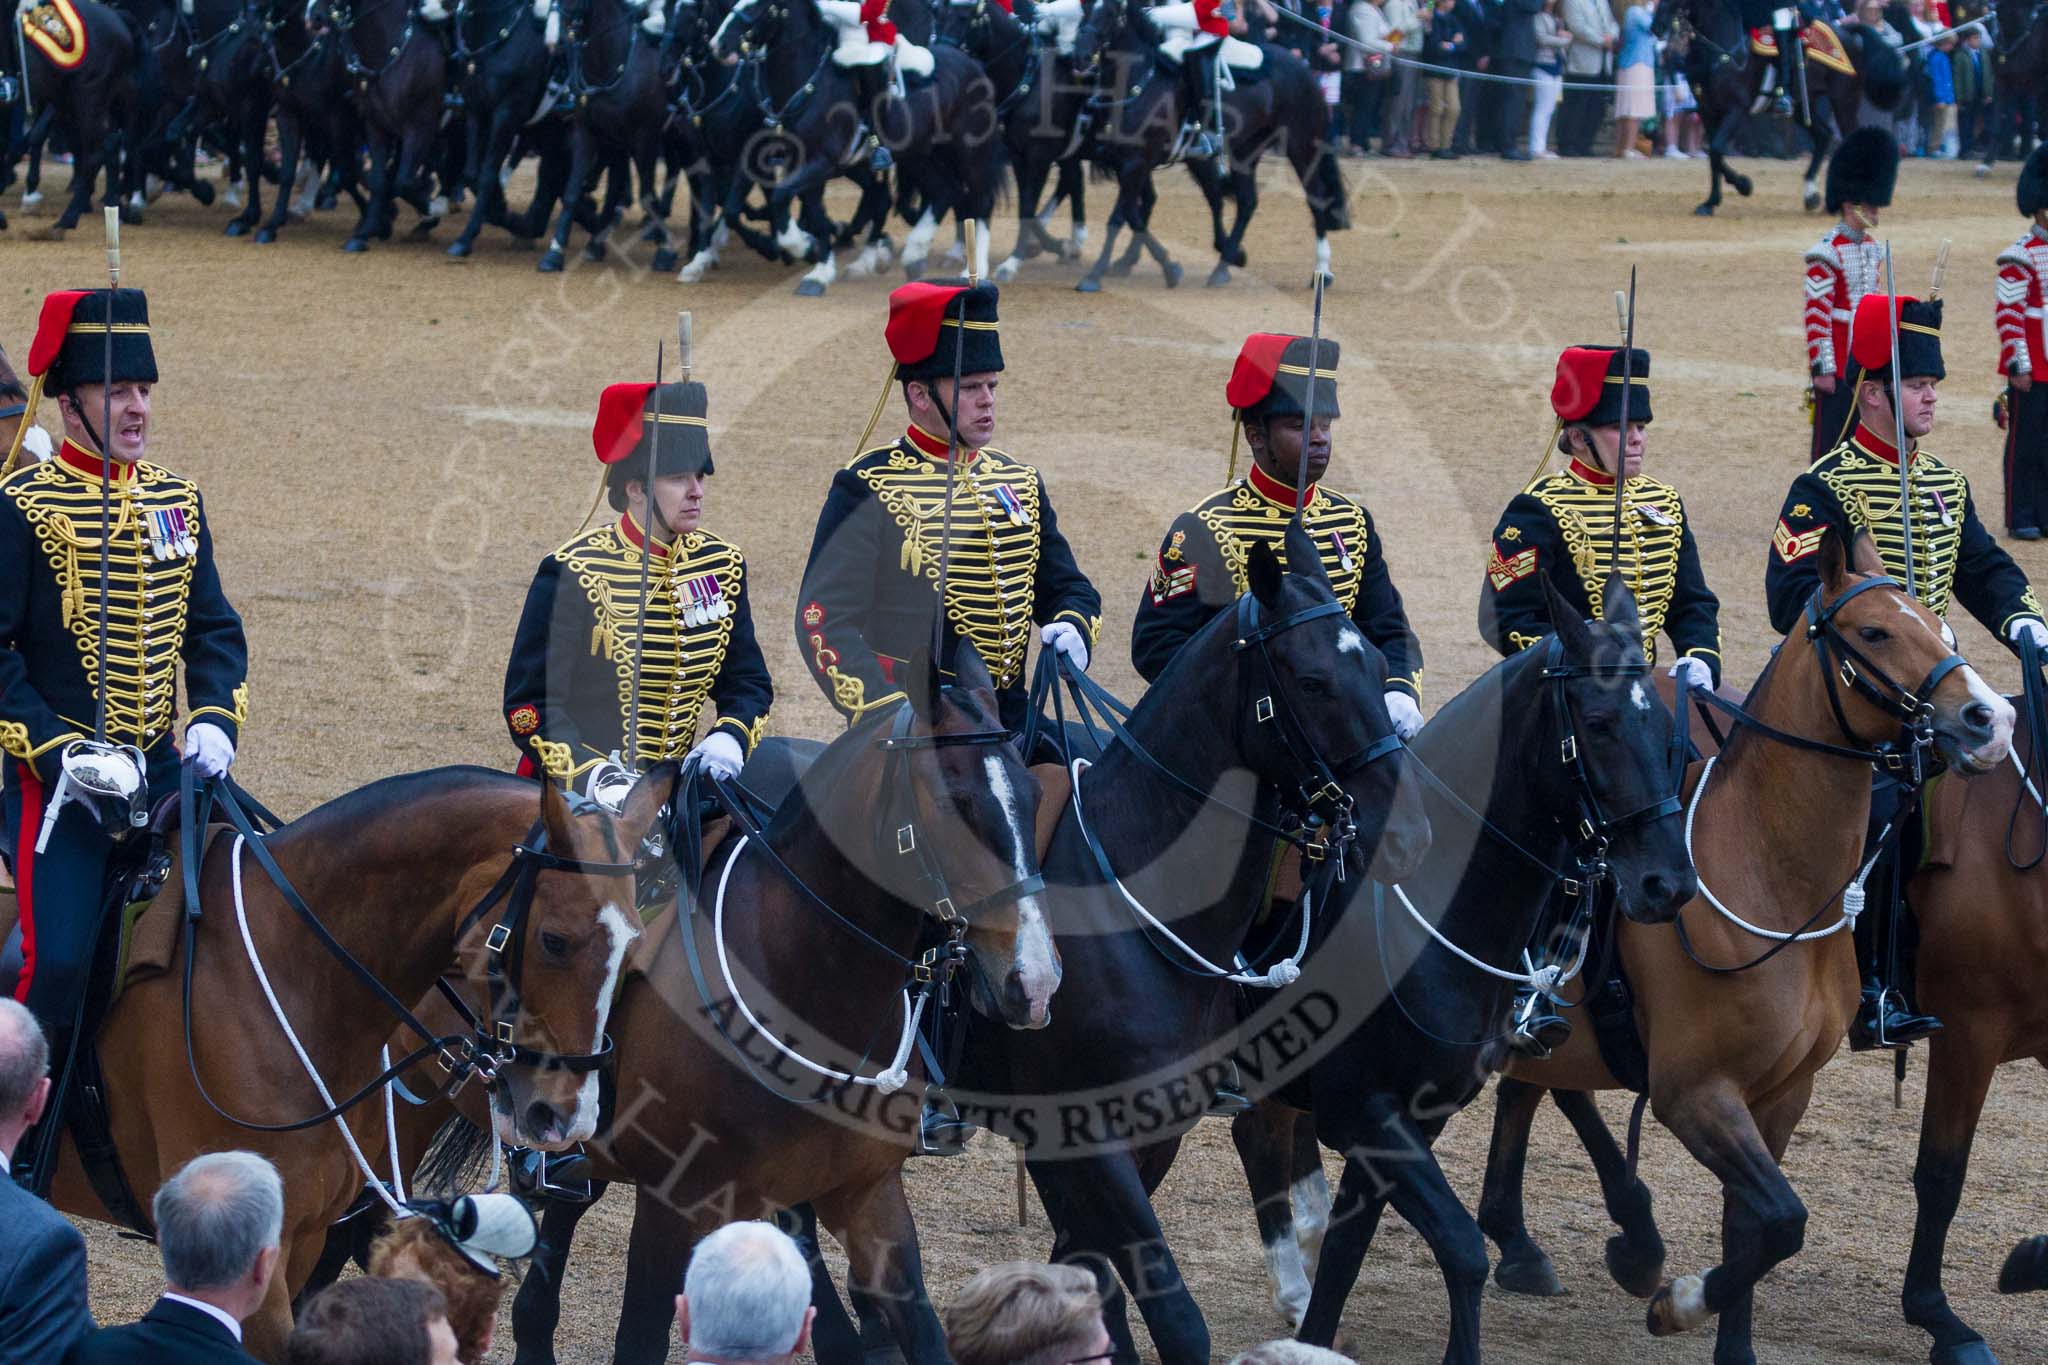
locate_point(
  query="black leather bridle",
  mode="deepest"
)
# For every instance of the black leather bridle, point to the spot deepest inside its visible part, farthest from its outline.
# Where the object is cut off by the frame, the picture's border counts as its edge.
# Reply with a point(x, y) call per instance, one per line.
point(1845, 666)
point(1590, 828)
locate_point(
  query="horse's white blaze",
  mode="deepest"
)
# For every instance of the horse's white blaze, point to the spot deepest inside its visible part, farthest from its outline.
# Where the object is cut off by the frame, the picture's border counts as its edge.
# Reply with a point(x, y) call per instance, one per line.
point(1349, 641)
point(919, 244)
point(620, 933)
point(1035, 962)
point(1289, 1276)
point(432, 12)
point(1994, 749)
point(1639, 698)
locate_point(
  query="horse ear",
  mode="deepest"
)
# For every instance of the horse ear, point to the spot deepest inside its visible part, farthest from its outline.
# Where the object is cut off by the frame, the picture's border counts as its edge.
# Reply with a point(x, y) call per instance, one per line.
point(1618, 608)
point(1834, 564)
point(1302, 556)
point(555, 816)
point(1565, 621)
point(921, 686)
point(1863, 555)
point(969, 671)
point(1262, 570)
point(655, 789)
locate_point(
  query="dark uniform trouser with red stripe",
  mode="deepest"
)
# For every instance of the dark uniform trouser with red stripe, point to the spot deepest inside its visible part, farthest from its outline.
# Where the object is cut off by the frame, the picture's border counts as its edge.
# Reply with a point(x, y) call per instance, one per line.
point(2026, 456)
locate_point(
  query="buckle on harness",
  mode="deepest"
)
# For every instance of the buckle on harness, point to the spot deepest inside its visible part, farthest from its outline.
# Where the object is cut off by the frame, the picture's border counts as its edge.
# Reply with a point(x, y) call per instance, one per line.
point(1568, 748)
point(498, 938)
point(943, 908)
point(1572, 887)
point(1264, 709)
point(906, 839)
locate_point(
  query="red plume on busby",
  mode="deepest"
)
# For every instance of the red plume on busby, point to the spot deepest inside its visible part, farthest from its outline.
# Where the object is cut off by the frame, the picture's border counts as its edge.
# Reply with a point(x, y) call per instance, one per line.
point(1587, 390)
point(70, 347)
point(922, 316)
point(1870, 338)
point(628, 415)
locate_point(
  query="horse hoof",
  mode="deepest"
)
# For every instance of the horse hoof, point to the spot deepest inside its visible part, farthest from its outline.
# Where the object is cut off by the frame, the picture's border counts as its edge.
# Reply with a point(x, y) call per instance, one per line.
point(1219, 276)
point(1119, 269)
point(1088, 284)
point(664, 260)
point(550, 262)
point(1703, 211)
point(1636, 1274)
point(651, 233)
point(1237, 258)
point(913, 270)
point(1743, 186)
point(459, 249)
point(424, 229)
point(324, 203)
point(1173, 273)
point(1006, 271)
point(203, 193)
point(236, 228)
point(810, 289)
point(1983, 169)
point(1963, 1353)
point(1678, 1307)
point(2026, 1268)
point(355, 245)
point(1531, 1275)
point(1812, 202)
point(131, 215)
point(265, 236)
point(49, 233)
point(595, 252)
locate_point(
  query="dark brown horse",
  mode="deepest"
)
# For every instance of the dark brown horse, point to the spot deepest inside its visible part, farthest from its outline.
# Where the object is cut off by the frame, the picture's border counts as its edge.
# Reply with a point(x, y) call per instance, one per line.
point(1743, 1005)
point(395, 872)
point(95, 106)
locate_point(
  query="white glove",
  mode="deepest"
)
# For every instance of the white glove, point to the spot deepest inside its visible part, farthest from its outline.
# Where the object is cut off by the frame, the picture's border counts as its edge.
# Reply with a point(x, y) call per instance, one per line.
point(1066, 637)
point(721, 754)
point(36, 442)
point(211, 750)
point(2027, 628)
point(609, 784)
point(1406, 715)
point(1693, 672)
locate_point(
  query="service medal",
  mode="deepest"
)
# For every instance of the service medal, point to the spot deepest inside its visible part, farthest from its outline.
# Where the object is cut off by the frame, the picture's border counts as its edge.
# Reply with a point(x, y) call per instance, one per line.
point(1656, 516)
point(1008, 498)
point(1343, 550)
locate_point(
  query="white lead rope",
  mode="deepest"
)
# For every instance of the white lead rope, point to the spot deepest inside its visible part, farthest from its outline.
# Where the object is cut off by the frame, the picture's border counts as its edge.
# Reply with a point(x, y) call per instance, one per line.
point(1852, 894)
point(1545, 979)
point(2014, 754)
point(313, 1072)
point(888, 1082)
point(1282, 973)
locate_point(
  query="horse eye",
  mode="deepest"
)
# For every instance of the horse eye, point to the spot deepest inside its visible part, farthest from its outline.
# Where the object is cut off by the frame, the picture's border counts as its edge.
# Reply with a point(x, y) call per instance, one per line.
point(554, 945)
point(1313, 685)
point(1874, 635)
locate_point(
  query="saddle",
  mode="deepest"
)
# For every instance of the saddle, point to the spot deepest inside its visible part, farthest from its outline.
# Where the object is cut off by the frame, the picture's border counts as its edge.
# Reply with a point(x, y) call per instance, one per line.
point(1822, 44)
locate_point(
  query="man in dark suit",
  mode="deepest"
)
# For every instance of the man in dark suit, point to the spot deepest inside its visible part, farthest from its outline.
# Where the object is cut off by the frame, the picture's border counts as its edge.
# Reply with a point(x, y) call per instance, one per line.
point(217, 1226)
point(1514, 58)
point(42, 1257)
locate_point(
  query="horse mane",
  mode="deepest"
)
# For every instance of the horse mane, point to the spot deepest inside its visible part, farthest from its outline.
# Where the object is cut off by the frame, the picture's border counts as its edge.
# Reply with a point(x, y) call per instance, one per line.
point(352, 810)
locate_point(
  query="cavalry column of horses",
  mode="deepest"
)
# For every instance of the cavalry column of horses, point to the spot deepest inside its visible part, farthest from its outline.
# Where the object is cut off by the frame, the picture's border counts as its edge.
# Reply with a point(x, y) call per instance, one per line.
point(935, 559)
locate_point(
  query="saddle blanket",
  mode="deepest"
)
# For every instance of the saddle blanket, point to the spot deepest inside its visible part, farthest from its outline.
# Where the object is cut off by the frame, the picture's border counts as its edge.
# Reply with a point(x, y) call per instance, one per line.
point(1821, 42)
point(54, 29)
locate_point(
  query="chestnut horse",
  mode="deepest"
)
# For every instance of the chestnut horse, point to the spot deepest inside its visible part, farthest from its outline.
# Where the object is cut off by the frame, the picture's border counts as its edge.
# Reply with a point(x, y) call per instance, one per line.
point(410, 877)
point(1736, 1018)
point(1982, 905)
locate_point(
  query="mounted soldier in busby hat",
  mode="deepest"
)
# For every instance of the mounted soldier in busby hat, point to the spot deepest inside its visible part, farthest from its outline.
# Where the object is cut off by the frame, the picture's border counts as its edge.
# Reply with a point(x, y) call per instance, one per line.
point(1856, 487)
point(2023, 354)
point(1843, 266)
point(1561, 526)
point(870, 588)
point(85, 745)
point(1201, 565)
point(576, 707)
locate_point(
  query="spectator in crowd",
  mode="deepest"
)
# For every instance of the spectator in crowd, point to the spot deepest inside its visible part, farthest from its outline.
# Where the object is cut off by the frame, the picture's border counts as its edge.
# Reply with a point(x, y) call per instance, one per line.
point(1366, 67)
point(370, 1320)
point(1286, 1351)
point(1397, 110)
point(746, 1298)
point(454, 1246)
point(1551, 41)
point(1595, 37)
point(218, 1220)
point(1970, 68)
point(1635, 80)
point(1023, 1313)
point(42, 1257)
point(1444, 49)
point(1477, 21)
point(1514, 61)
point(1941, 128)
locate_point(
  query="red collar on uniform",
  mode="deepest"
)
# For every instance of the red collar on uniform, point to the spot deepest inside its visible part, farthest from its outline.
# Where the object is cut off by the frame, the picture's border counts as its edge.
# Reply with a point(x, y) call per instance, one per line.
point(1272, 490)
point(1870, 443)
point(937, 447)
point(86, 464)
point(1599, 478)
point(636, 538)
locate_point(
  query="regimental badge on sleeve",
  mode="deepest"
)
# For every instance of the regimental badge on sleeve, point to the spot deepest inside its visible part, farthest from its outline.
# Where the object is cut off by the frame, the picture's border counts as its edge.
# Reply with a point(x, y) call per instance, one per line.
point(1507, 570)
point(524, 720)
point(1793, 546)
point(1169, 583)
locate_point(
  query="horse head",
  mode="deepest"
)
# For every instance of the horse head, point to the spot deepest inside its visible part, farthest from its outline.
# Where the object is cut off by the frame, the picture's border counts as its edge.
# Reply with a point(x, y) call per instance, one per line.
point(748, 24)
point(1102, 30)
point(1594, 717)
point(1312, 712)
point(968, 854)
point(1887, 668)
point(546, 961)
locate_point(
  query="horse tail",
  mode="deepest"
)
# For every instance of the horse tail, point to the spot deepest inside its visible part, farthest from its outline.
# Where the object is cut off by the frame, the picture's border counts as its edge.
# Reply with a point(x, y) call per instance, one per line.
point(456, 1160)
point(1884, 75)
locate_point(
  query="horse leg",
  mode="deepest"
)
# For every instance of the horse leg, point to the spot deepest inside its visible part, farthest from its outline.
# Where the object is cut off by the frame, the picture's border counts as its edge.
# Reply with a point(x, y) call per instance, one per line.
point(656, 1254)
point(1959, 1070)
point(1091, 283)
point(1635, 1255)
point(884, 1269)
point(582, 159)
point(495, 145)
point(1822, 135)
point(291, 143)
point(537, 1309)
point(380, 191)
point(1030, 184)
point(1264, 1137)
point(255, 121)
point(818, 224)
point(1721, 1133)
point(1352, 1224)
point(1105, 1220)
point(1524, 1266)
point(1245, 190)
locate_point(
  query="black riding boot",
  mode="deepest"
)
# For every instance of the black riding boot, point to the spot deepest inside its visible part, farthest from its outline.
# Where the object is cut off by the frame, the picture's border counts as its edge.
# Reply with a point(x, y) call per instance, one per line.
point(1538, 1029)
point(1884, 1019)
point(560, 1176)
point(1198, 78)
point(871, 84)
point(1789, 58)
point(941, 1128)
point(35, 1156)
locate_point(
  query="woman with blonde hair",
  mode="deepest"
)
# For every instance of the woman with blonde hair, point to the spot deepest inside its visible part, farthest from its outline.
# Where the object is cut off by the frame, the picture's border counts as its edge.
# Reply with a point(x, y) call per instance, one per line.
point(1024, 1313)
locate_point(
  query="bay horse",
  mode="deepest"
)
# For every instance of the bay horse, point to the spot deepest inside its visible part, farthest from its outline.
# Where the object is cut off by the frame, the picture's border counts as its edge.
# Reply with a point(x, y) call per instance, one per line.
point(317, 123)
point(1268, 729)
point(1982, 912)
point(1557, 767)
point(407, 879)
point(399, 72)
point(1749, 997)
point(1727, 80)
point(96, 106)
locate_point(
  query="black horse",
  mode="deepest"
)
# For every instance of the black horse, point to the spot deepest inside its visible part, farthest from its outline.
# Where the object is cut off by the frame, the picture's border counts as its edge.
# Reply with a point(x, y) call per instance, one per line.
point(399, 73)
point(2019, 65)
point(232, 92)
point(317, 124)
point(96, 105)
point(503, 64)
point(1727, 79)
point(621, 104)
point(1271, 718)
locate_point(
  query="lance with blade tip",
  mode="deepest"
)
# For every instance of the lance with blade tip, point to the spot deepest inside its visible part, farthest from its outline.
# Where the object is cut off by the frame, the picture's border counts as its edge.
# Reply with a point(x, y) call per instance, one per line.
point(1308, 408)
point(1628, 356)
point(1940, 272)
point(952, 415)
point(632, 750)
point(1899, 427)
point(1621, 313)
point(106, 435)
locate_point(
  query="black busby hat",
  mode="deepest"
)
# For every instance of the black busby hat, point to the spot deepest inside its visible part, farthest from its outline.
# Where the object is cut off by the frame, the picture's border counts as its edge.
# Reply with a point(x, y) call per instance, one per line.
point(1271, 377)
point(624, 436)
point(1864, 170)
point(70, 347)
point(926, 317)
point(1587, 390)
point(2033, 188)
point(1870, 338)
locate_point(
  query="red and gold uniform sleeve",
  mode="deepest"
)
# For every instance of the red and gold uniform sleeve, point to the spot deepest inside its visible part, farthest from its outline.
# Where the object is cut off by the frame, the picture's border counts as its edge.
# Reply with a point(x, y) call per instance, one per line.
point(2015, 284)
point(1823, 283)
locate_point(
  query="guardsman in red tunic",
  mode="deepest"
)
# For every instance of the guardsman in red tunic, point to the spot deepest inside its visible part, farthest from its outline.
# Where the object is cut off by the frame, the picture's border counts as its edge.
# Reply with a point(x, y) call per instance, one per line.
point(2023, 357)
point(1191, 32)
point(1841, 268)
point(867, 39)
